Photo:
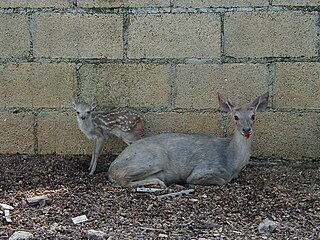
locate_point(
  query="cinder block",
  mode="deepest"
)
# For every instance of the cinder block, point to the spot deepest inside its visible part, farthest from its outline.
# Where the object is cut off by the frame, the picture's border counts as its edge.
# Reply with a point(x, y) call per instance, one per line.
point(190, 122)
point(297, 85)
point(220, 3)
point(123, 3)
point(14, 35)
point(34, 3)
point(271, 34)
point(69, 35)
point(120, 85)
point(288, 135)
point(59, 133)
point(296, 2)
point(37, 85)
point(174, 36)
point(197, 85)
point(16, 130)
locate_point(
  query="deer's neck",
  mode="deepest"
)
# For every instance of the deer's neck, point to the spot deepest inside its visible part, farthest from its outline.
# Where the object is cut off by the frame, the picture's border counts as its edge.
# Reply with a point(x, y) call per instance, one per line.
point(86, 126)
point(239, 152)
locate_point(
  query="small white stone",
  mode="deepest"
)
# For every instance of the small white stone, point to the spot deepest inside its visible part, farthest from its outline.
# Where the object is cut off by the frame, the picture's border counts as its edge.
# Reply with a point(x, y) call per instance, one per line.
point(267, 226)
point(96, 235)
point(161, 235)
point(21, 235)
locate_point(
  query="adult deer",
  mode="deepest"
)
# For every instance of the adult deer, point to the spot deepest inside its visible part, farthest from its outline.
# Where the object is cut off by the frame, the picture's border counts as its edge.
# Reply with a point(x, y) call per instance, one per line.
point(190, 158)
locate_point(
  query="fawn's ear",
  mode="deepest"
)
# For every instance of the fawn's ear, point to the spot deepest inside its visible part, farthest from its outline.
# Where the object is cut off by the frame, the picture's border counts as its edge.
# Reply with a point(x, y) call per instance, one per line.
point(74, 104)
point(93, 104)
point(224, 103)
point(260, 103)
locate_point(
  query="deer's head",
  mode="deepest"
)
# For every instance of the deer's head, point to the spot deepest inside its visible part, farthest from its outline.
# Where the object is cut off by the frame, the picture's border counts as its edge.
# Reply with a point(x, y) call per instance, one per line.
point(244, 116)
point(83, 109)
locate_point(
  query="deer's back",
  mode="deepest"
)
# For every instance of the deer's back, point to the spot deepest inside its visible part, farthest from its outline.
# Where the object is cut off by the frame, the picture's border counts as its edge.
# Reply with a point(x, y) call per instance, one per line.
point(175, 154)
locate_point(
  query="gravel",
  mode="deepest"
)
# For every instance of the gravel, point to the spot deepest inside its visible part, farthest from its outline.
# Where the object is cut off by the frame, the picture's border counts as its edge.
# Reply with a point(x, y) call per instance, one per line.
point(285, 192)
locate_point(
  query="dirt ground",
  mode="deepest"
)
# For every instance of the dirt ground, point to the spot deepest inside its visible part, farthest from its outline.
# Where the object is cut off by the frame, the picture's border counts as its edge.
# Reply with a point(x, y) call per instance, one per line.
point(283, 191)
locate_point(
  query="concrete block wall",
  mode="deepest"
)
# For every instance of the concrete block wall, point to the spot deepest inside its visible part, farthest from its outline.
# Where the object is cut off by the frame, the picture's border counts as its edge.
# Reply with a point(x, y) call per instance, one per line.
point(165, 58)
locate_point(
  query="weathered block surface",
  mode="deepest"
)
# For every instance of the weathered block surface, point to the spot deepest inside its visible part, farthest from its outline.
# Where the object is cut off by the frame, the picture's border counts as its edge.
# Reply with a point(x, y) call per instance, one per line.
point(220, 3)
point(197, 85)
point(35, 3)
point(174, 36)
point(296, 2)
point(271, 34)
point(16, 130)
point(297, 85)
point(37, 84)
point(208, 123)
point(133, 85)
point(123, 3)
point(287, 135)
point(78, 35)
point(59, 133)
point(14, 35)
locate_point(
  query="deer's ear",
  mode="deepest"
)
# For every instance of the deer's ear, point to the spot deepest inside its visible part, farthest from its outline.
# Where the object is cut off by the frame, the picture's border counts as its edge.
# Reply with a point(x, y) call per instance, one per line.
point(224, 103)
point(260, 103)
point(93, 104)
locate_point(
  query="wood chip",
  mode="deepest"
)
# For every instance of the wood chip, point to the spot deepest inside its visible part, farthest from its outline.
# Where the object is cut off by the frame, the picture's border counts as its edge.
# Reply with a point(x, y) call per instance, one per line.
point(79, 219)
point(6, 216)
point(153, 229)
point(6, 213)
point(4, 206)
point(175, 194)
point(150, 207)
point(42, 200)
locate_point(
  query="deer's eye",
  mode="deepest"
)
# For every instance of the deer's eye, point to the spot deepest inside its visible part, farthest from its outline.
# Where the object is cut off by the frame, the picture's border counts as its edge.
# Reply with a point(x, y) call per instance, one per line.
point(78, 112)
point(236, 118)
point(88, 112)
point(253, 117)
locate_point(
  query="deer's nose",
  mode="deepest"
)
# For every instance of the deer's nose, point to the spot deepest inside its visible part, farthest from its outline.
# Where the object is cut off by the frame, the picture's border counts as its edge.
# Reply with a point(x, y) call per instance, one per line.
point(246, 129)
point(83, 117)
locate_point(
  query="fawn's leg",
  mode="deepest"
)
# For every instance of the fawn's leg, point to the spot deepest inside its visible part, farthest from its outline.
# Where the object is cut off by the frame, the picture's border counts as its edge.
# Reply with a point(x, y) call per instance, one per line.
point(93, 154)
point(98, 145)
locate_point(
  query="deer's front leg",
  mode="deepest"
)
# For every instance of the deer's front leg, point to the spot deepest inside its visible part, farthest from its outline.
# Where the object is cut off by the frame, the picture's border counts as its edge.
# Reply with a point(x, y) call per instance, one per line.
point(98, 145)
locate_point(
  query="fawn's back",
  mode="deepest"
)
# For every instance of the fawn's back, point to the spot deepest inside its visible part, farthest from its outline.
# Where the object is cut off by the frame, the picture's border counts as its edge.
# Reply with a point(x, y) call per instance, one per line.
point(123, 123)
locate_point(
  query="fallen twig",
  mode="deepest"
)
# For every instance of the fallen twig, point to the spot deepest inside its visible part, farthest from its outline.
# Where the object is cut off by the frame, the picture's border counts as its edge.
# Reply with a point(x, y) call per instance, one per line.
point(175, 194)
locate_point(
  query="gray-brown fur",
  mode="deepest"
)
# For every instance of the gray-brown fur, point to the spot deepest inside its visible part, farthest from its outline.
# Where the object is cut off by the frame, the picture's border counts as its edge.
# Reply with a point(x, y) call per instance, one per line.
point(125, 124)
point(190, 158)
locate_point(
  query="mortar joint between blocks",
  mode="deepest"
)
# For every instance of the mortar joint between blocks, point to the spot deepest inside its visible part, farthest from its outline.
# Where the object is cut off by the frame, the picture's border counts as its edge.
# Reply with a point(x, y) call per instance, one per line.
point(173, 85)
point(271, 78)
point(35, 133)
point(78, 79)
point(126, 23)
point(31, 30)
point(222, 39)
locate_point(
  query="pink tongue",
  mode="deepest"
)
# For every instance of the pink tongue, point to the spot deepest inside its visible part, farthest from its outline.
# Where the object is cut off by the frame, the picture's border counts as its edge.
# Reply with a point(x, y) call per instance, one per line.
point(247, 134)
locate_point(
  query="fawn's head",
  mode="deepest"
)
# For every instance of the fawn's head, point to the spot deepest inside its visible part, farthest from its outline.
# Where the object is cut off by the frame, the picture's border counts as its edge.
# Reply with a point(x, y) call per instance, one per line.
point(244, 116)
point(83, 109)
